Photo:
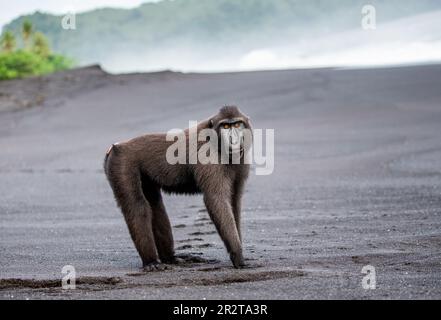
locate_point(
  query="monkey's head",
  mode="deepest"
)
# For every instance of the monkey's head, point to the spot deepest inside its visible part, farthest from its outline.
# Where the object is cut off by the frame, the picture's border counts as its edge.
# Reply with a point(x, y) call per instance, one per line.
point(233, 129)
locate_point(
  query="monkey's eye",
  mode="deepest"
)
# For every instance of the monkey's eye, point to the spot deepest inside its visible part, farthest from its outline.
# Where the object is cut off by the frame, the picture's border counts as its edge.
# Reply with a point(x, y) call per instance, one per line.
point(226, 126)
point(237, 124)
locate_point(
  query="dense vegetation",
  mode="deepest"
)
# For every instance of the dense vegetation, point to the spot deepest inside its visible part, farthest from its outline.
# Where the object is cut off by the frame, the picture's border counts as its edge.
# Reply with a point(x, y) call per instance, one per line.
point(207, 23)
point(33, 57)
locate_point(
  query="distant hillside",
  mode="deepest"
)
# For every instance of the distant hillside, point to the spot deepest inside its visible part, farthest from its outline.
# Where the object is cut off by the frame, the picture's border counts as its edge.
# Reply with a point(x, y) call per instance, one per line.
point(182, 27)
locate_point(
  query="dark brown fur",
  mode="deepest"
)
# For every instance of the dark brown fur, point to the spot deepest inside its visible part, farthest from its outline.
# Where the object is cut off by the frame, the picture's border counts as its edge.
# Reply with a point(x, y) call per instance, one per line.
point(137, 171)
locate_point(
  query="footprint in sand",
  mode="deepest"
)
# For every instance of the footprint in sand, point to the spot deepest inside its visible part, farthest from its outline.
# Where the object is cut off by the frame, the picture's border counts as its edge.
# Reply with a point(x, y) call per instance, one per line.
point(190, 240)
point(199, 224)
point(200, 233)
point(205, 245)
point(184, 247)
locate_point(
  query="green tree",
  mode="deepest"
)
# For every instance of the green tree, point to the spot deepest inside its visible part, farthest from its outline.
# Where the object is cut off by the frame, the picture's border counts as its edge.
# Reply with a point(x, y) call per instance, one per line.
point(24, 63)
point(8, 42)
point(26, 31)
point(40, 45)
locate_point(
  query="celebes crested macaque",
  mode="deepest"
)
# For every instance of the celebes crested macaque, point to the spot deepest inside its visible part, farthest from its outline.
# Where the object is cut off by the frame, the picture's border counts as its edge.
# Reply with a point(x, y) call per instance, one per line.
point(138, 170)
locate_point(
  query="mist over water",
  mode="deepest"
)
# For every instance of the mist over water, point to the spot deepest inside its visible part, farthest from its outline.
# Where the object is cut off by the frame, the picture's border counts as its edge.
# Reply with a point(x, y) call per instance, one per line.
point(411, 40)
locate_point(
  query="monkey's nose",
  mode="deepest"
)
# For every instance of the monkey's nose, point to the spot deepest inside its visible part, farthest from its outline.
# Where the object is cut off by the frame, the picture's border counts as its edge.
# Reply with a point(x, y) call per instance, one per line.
point(234, 140)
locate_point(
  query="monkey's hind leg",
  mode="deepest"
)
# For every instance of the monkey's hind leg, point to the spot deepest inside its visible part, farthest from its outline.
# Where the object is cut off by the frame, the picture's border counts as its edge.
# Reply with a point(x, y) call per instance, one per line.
point(138, 216)
point(137, 213)
point(163, 234)
point(162, 229)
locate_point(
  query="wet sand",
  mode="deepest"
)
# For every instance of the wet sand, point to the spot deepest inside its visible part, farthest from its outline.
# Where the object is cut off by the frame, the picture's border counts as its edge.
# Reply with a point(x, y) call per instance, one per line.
point(356, 182)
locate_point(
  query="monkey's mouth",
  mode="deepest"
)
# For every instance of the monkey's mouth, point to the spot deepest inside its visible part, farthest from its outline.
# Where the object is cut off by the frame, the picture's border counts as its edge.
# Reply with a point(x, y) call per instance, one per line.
point(236, 150)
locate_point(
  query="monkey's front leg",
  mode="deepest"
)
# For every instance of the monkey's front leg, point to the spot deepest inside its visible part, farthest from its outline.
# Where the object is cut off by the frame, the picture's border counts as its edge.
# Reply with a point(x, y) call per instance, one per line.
point(236, 204)
point(220, 211)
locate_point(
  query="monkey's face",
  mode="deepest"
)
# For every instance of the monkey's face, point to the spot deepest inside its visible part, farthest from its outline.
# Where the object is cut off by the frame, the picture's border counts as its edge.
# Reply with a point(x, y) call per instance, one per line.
point(233, 131)
point(232, 135)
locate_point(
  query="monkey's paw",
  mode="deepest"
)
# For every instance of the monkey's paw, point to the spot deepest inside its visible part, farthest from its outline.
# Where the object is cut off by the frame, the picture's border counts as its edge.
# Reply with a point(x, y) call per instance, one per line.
point(155, 266)
point(237, 260)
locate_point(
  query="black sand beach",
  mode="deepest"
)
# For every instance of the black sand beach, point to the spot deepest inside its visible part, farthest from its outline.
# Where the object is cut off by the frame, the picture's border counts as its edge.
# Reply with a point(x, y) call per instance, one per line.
point(356, 181)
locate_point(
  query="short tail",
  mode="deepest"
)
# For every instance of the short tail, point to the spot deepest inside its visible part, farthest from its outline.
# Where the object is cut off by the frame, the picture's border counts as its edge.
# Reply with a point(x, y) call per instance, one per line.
point(107, 157)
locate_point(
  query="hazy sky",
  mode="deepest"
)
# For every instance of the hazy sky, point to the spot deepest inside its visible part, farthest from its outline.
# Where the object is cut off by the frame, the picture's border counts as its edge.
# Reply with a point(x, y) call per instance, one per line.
point(14, 8)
